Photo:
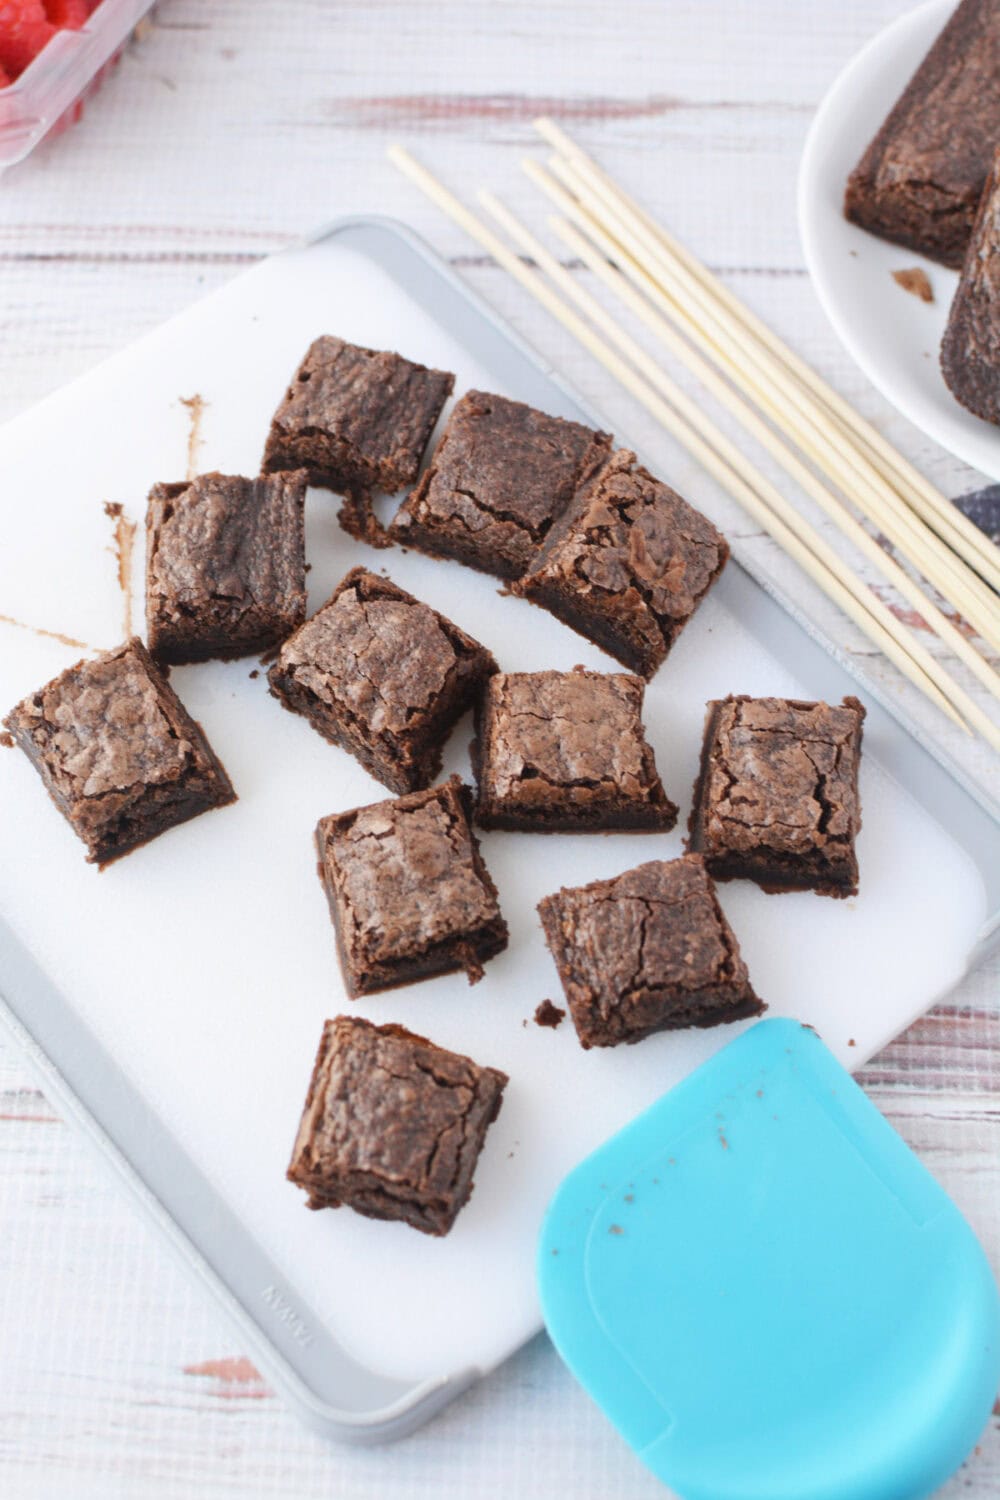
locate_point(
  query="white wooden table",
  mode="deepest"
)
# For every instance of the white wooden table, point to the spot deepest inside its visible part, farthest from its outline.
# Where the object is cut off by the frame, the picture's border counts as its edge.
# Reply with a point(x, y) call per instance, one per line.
point(227, 130)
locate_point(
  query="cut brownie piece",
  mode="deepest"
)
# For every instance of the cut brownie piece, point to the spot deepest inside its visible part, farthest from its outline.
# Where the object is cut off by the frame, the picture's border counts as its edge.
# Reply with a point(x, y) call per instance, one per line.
point(119, 754)
point(358, 421)
point(648, 951)
point(565, 752)
point(970, 350)
point(382, 675)
point(777, 800)
point(408, 890)
point(393, 1126)
point(225, 565)
point(627, 564)
point(919, 182)
point(499, 477)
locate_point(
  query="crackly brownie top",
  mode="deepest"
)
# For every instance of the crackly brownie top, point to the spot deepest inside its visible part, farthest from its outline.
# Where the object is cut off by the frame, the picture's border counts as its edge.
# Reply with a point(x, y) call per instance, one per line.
point(387, 1102)
point(225, 538)
point(631, 541)
point(405, 874)
point(106, 725)
point(377, 652)
point(549, 735)
point(658, 926)
point(378, 407)
point(782, 774)
point(938, 141)
point(970, 351)
point(501, 473)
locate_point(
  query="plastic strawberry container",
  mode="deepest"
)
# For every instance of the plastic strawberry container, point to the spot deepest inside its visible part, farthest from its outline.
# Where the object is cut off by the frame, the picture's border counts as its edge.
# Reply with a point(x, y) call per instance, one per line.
point(50, 93)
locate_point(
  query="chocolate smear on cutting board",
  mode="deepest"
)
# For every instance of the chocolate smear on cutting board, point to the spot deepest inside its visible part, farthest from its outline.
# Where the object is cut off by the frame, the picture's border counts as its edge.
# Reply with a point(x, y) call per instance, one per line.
point(915, 281)
point(547, 1014)
point(52, 635)
point(196, 410)
point(122, 542)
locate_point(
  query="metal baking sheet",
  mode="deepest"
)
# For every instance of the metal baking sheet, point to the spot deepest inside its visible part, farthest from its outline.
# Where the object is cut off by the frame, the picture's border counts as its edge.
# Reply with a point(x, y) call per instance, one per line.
point(173, 1003)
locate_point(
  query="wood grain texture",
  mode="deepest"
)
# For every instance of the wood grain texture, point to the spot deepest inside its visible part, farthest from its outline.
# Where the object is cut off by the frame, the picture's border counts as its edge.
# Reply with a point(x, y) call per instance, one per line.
point(227, 131)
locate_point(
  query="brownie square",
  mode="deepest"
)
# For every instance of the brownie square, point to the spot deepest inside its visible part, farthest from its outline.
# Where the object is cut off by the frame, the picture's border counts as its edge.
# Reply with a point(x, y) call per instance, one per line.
point(648, 951)
point(393, 1125)
point(357, 420)
point(119, 754)
point(627, 564)
point(776, 800)
point(225, 565)
point(499, 477)
point(565, 752)
point(970, 349)
point(920, 181)
point(383, 676)
point(408, 890)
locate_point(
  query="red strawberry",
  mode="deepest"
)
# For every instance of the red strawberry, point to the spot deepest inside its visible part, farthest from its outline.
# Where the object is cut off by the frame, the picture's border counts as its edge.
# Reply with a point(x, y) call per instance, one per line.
point(4, 80)
point(24, 30)
point(68, 13)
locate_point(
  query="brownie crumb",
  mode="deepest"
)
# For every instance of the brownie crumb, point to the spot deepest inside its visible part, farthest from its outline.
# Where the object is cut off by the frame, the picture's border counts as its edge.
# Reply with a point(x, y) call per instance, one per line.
point(254, 673)
point(851, 1042)
point(615, 1229)
point(916, 282)
point(359, 520)
point(7, 740)
point(547, 1014)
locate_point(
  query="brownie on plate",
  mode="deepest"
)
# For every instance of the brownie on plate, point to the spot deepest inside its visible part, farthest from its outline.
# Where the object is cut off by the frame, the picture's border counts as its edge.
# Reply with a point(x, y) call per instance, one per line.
point(408, 890)
point(650, 950)
point(776, 800)
point(393, 1126)
point(565, 752)
point(499, 477)
point(225, 565)
point(970, 349)
point(119, 754)
point(383, 676)
point(920, 181)
point(358, 421)
point(627, 564)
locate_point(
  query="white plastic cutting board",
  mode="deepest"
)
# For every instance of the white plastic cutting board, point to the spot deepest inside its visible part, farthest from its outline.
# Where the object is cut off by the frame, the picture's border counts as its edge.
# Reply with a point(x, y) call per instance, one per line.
point(206, 963)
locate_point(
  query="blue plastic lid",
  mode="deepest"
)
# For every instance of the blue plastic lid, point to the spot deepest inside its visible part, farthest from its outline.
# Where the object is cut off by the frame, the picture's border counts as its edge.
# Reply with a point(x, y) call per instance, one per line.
point(767, 1293)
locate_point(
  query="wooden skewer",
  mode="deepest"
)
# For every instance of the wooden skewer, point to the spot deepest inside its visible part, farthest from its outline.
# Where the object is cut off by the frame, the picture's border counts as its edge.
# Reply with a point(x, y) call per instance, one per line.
point(745, 414)
point(816, 558)
point(839, 461)
point(955, 528)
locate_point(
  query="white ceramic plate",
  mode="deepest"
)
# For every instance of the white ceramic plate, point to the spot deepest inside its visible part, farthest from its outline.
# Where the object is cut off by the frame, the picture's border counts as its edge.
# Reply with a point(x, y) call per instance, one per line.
point(892, 335)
